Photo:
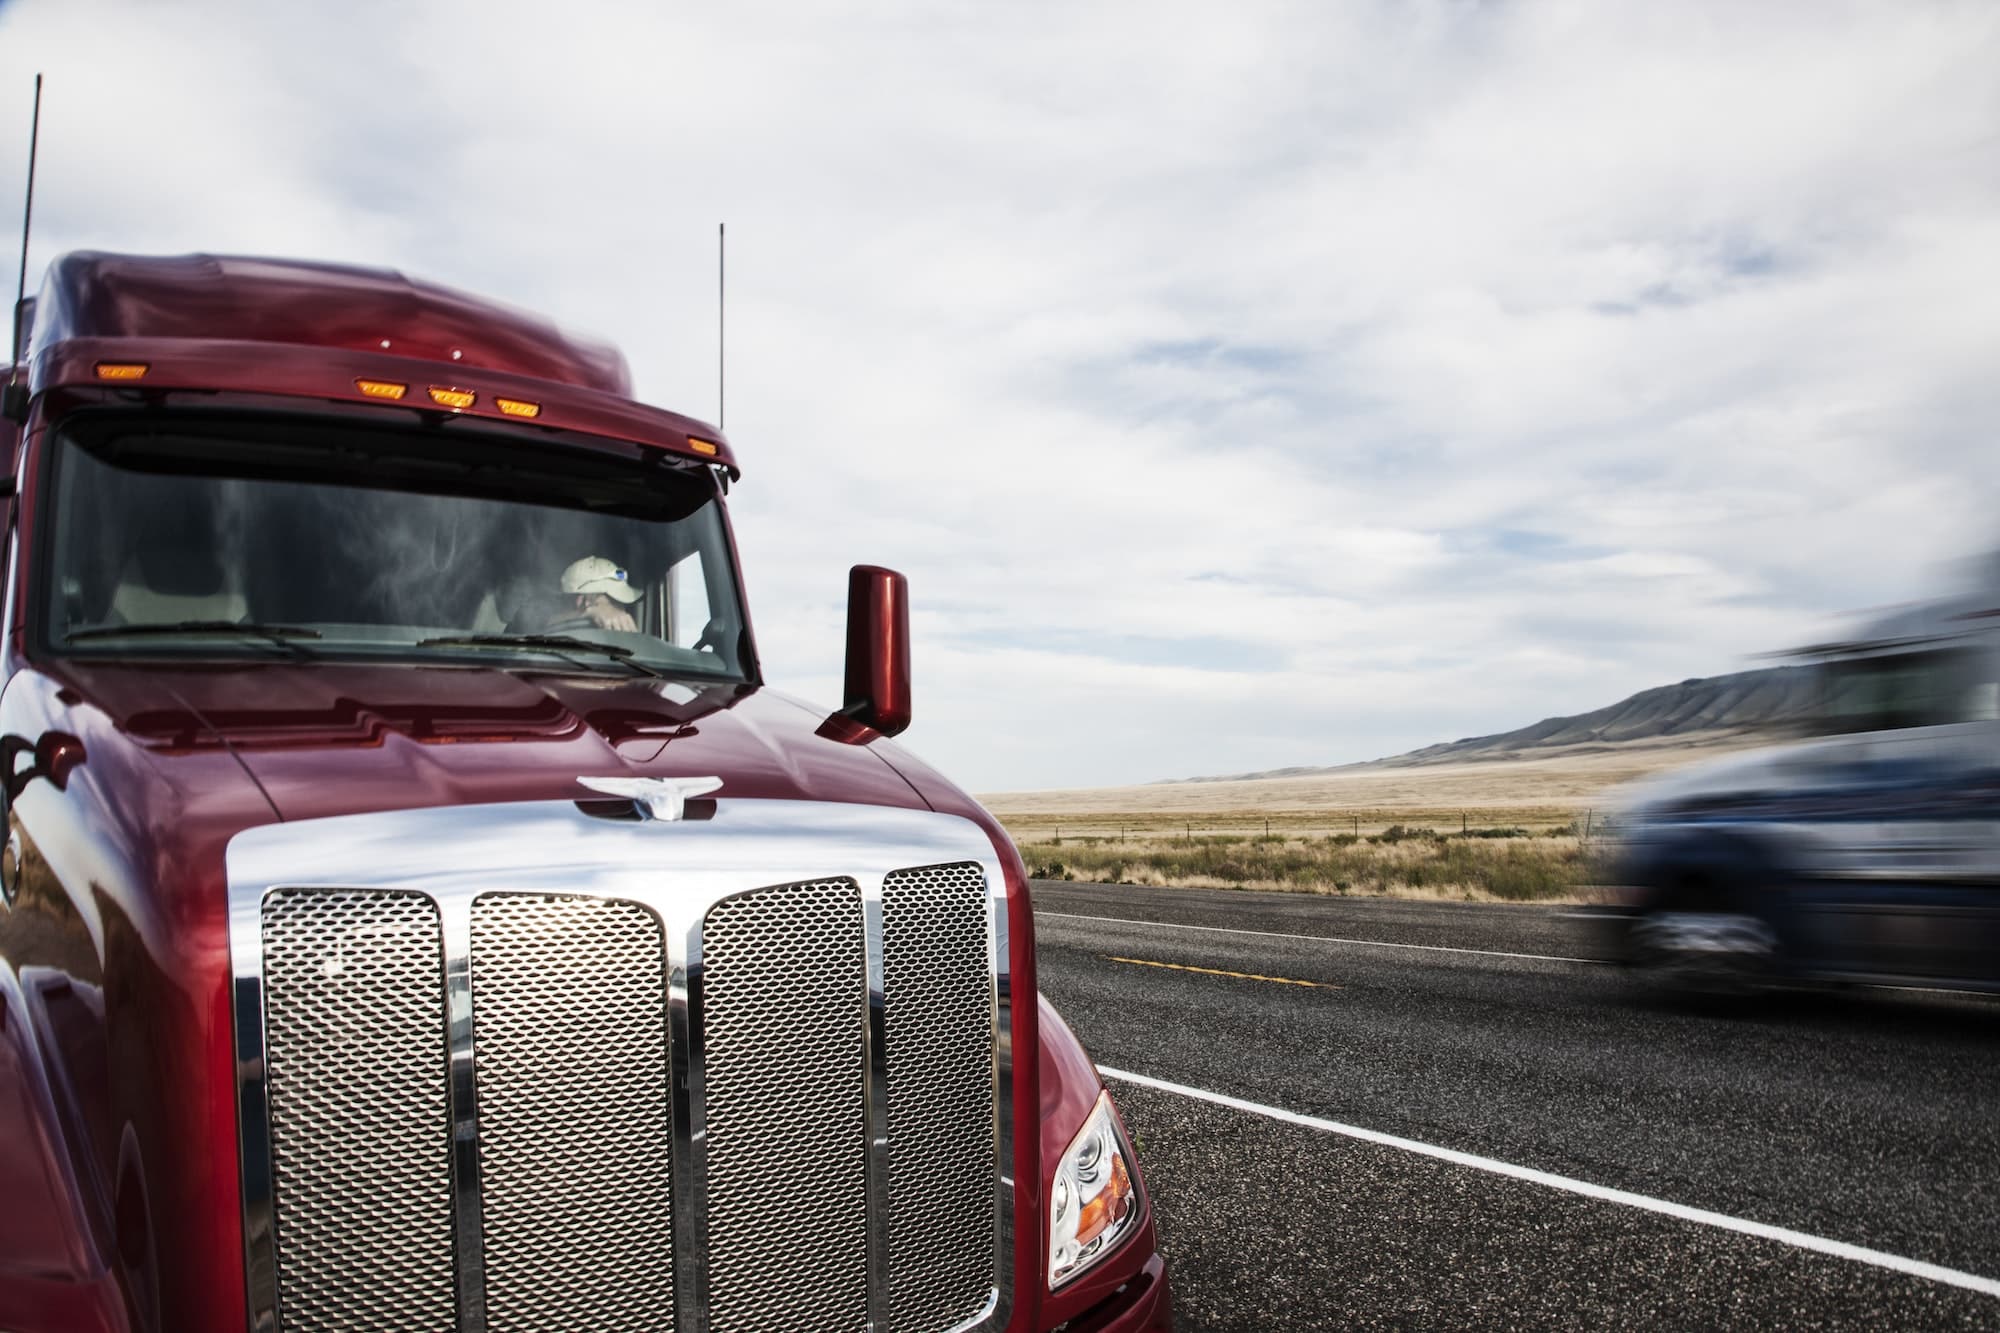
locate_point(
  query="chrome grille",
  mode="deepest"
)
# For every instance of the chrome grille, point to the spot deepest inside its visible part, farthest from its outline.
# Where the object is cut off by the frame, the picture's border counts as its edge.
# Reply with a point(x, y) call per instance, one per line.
point(360, 1119)
point(575, 1124)
point(784, 1006)
point(937, 991)
point(531, 1068)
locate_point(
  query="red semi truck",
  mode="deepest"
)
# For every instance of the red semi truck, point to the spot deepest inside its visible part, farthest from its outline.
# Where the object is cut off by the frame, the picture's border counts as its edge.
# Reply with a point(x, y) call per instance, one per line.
point(416, 912)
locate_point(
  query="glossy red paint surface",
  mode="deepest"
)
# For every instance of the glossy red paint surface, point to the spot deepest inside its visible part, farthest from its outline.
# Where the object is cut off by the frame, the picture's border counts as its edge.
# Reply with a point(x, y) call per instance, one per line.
point(337, 738)
point(117, 949)
point(118, 1144)
point(274, 327)
point(878, 649)
point(276, 302)
point(1139, 1304)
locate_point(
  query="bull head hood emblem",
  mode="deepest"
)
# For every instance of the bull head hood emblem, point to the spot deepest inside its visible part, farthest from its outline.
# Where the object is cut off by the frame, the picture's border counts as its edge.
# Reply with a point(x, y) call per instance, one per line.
point(657, 798)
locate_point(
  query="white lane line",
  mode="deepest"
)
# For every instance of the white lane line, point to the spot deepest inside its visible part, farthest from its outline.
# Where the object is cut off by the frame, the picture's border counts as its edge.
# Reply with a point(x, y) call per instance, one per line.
point(1839, 1249)
point(1323, 939)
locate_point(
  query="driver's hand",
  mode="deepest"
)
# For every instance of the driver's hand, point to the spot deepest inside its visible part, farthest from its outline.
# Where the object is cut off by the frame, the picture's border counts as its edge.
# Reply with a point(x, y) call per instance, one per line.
point(607, 614)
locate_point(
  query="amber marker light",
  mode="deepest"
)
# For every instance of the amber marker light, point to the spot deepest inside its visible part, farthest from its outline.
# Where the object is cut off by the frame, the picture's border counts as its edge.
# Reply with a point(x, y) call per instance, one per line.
point(456, 399)
point(517, 407)
point(702, 446)
point(1108, 1208)
point(381, 389)
point(122, 370)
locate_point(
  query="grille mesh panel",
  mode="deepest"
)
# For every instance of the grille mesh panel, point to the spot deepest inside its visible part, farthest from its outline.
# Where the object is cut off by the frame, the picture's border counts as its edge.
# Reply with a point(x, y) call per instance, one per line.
point(937, 992)
point(784, 996)
point(569, 1011)
point(576, 1128)
point(360, 1117)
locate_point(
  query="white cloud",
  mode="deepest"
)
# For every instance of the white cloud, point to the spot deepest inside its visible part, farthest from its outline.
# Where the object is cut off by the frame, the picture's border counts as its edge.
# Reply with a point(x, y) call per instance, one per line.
point(1284, 384)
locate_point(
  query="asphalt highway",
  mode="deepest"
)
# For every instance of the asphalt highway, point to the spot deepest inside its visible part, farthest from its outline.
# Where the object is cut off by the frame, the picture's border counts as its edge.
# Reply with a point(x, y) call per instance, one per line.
point(1817, 1161)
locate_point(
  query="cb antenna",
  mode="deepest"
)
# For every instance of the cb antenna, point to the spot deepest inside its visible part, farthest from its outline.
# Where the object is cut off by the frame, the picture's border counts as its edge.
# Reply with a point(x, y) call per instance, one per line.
point(27, 218)
point(721, 307)
point(14, 397)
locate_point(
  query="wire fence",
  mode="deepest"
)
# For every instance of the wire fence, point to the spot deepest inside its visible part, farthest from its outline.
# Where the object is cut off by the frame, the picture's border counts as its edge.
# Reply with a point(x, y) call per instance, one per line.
point(1358, 825)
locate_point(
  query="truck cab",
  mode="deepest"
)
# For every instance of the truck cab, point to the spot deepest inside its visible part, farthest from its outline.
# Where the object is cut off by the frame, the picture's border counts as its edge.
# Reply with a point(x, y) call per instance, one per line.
point(416, 909)
point(1866, 851)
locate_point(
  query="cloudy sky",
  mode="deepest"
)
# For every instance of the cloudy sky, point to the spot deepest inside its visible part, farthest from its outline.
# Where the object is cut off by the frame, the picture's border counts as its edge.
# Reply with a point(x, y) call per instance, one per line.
point(1240, 386)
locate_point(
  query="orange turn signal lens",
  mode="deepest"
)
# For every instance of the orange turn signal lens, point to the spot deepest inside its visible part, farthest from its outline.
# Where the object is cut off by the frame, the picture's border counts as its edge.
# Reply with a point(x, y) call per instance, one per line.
point(702, 446)
point(517, 407)
point(1109, 1207)
point(381, 388)
point(122, 370)
point(456, 399)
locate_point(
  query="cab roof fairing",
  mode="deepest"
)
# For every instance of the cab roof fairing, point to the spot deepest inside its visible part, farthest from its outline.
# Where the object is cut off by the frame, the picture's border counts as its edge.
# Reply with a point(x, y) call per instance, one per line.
point(1920, 628)
point(292, 327)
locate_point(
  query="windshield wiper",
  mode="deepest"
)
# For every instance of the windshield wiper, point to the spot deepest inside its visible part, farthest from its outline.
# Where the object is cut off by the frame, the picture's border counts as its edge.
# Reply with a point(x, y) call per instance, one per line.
point(282, 635)
point(550, 643)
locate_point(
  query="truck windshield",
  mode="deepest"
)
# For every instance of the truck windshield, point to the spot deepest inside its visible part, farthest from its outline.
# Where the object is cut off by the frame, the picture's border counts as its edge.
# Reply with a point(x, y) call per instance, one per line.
point(277, 537)
point(1897, 691)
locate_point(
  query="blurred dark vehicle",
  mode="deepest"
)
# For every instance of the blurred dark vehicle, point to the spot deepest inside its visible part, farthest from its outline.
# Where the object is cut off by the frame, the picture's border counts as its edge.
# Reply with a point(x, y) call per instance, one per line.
point(1868, 852)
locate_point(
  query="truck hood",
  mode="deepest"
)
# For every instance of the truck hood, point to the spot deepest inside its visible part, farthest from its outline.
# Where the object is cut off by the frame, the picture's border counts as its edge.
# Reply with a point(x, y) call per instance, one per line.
point(1748, 773)
point(1728, 773)
point(337, 738)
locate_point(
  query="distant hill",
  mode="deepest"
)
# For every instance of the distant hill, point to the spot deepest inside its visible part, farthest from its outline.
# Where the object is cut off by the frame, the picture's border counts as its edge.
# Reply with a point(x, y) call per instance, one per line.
point(1702, 709)
point(1715, 706)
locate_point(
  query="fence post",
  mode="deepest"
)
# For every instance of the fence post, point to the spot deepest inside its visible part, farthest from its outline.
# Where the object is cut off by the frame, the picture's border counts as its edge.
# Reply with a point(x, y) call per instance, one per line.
point(1587, 815)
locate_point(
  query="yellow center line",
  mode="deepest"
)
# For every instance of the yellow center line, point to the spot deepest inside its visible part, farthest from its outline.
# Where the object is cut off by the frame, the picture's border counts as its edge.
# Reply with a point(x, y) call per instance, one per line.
point(1219, 972)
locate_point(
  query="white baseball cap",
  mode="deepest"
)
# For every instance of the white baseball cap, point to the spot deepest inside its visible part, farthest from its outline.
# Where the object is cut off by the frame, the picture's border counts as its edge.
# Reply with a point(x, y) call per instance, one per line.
point(594, 573)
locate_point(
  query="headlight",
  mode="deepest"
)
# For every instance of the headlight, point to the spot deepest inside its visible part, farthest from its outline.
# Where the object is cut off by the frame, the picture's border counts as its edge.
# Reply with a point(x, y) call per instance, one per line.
point(1095, 1202)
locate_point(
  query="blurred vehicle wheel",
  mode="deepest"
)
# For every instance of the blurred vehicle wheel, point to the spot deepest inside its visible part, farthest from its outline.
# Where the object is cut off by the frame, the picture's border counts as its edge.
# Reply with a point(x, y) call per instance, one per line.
point(1704, 954)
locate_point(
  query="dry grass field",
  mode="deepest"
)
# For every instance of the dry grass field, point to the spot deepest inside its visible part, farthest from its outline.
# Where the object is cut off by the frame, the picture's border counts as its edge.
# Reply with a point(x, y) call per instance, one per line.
point(1501, 830)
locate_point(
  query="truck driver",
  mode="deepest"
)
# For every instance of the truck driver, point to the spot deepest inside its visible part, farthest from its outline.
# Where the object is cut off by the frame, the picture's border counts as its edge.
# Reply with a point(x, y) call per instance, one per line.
point(601, 591)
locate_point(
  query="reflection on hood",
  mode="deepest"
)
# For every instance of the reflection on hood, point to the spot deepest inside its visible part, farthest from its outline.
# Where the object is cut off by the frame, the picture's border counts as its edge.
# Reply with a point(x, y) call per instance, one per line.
point(335, 738)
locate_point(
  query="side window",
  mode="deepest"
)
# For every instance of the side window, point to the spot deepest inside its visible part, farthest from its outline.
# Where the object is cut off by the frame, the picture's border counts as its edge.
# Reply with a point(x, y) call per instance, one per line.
point(687, 601)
